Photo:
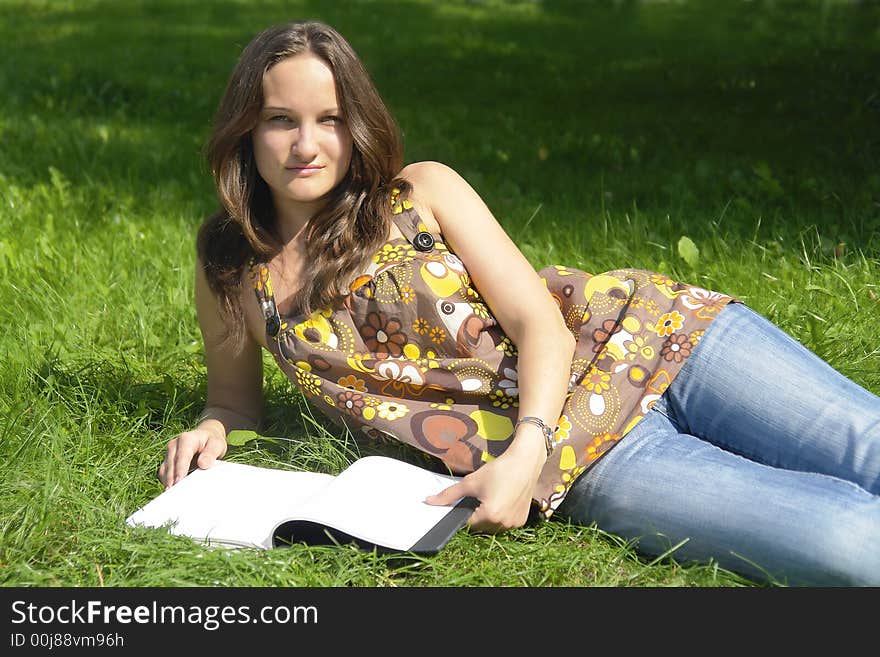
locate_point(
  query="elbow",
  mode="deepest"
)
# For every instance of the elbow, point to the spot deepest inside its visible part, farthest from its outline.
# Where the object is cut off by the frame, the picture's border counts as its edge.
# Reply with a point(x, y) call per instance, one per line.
point(563, 335)
point(553, 334)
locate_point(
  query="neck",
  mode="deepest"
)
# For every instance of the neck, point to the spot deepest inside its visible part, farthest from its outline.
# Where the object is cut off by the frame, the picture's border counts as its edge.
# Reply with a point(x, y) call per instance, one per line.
point(290, 231)
point(293, 218)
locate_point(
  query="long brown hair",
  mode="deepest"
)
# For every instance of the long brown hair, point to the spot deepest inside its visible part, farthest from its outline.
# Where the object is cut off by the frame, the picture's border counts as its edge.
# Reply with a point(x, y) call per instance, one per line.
point(355, 219)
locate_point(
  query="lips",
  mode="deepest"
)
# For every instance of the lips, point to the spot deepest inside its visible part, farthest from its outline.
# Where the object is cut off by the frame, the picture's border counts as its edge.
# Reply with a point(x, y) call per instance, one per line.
point(304, 169)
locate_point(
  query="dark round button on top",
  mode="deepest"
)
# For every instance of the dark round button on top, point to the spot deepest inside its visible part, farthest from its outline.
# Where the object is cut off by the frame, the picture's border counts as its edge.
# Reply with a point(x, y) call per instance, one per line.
point(273, 325)
point(423, 241)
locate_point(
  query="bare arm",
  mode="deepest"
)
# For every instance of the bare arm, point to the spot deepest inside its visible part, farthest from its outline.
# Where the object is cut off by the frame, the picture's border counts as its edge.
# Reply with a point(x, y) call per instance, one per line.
point(234, 397)
point(525, 310)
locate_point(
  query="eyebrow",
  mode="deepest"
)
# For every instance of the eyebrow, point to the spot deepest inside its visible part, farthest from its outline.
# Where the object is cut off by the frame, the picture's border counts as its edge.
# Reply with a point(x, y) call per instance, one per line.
point(272, 108)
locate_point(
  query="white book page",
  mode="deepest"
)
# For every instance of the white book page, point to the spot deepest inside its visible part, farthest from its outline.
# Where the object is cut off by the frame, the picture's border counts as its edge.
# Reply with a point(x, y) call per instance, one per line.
point(381, 500)
point(231, 503)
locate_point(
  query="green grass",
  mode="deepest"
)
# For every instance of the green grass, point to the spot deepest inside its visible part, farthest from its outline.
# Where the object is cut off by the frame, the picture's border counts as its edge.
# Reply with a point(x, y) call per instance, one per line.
point(599, 133)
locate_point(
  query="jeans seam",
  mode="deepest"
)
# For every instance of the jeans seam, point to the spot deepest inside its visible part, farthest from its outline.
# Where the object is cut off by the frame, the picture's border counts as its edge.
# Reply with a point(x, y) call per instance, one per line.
point(656, 407)
point(663, 407)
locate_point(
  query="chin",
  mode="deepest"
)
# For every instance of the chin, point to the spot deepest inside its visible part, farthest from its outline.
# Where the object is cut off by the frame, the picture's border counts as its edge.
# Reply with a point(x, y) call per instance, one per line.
point(308, 194)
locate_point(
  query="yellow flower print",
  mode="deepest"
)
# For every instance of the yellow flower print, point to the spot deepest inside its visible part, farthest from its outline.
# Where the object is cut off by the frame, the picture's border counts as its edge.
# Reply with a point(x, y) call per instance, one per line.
point(352, 383)
point(660, 279)
point(429, 362)
point(407, 294)
point(393, 253)
point(308, 382)
point(652, 307)
point(261, 278)
point(480, 310)
point(437, 335)
point(596, 380)
point(421, 326)
point(507, 347)
point(397, 208)
point(501, 400)
point(639, 346)
point(392, 410)
point(406, 205)
point(600, 444)
point(669, 323)
point(695, 337)
point(563, 429)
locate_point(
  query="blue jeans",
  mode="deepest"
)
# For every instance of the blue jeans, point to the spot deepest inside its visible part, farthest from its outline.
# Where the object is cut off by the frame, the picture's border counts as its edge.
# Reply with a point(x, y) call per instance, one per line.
point(760, 456)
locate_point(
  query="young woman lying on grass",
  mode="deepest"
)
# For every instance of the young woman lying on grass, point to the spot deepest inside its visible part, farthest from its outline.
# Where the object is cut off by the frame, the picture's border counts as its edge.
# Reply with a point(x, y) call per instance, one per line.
point(390, 295)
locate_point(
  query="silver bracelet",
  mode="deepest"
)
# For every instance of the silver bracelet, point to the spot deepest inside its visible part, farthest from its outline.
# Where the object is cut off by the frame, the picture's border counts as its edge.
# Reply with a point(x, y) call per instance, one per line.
point(549, 443)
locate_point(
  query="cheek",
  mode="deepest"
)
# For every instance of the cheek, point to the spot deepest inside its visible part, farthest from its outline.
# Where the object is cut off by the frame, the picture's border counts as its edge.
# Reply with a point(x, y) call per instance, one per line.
point(270, 152)
point(270, 146)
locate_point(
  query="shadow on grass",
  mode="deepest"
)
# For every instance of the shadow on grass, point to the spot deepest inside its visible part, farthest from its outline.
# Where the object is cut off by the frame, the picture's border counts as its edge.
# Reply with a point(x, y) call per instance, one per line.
point(114, 398)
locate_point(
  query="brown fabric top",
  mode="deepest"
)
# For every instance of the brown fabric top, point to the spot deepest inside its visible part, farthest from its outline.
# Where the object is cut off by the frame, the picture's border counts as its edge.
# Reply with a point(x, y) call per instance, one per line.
point(416, 355)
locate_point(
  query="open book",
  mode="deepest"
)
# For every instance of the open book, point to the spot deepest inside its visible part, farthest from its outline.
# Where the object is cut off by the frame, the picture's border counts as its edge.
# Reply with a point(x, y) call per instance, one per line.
point(377, 503)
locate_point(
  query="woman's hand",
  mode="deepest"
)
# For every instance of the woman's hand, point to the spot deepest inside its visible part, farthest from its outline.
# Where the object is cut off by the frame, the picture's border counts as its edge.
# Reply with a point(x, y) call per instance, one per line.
point(199, 447)
point(503, 486)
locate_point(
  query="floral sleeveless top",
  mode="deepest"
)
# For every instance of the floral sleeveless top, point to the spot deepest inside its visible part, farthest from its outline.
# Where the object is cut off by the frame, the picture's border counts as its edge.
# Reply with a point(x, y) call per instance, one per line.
point(415, 355)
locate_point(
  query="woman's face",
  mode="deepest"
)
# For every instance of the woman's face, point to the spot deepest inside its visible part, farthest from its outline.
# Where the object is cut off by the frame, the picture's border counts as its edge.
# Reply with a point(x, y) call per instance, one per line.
point(302, 147)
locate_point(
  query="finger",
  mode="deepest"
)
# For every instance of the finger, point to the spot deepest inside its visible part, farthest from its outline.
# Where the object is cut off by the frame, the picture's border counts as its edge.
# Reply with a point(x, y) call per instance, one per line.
point(479, 523)
point(449, 495)
point(214, 449)
point(183, 459)
point(166, 470)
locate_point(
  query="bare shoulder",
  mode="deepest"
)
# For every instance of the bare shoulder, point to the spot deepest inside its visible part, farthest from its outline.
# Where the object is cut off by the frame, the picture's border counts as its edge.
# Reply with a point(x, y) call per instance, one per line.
point(428, 178)
point(435, 186)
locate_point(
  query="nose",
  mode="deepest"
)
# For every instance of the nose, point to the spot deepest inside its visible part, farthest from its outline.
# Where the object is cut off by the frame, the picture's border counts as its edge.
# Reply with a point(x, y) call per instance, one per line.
point(305, 146)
